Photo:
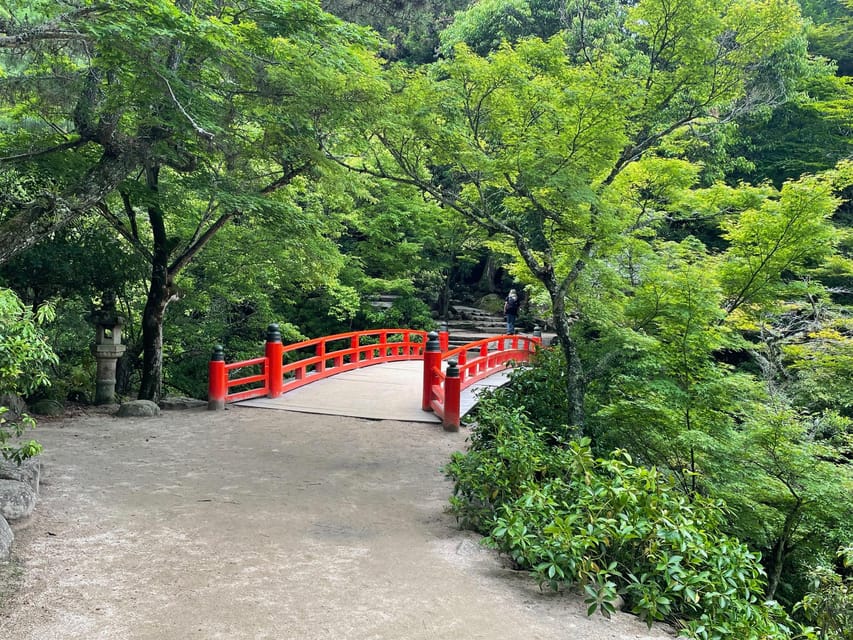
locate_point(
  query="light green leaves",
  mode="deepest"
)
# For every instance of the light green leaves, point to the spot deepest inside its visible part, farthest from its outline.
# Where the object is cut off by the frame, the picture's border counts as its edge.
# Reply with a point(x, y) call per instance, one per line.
point(24, 359)
point(782, 235)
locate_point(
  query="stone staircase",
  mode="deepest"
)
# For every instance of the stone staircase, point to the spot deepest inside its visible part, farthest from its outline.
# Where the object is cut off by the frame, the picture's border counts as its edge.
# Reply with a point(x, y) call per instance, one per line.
point(470, 324)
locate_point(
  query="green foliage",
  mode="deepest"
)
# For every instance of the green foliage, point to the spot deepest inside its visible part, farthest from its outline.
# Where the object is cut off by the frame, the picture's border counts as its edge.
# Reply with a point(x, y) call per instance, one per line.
point(611, 527)
point(538, 391)
point(829, 605)
point(789, 492)
point(411, 27)
point(407, 312)
point(24, 352)
point(488, 23)
point(24, 357)
point(831, 34)
point(823, 363)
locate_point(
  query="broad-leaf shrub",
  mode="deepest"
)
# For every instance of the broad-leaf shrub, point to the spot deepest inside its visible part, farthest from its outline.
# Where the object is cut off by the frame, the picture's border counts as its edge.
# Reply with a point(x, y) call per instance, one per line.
point(829, 605)
point(541, 391)
point(610, 527)
point(24, 355)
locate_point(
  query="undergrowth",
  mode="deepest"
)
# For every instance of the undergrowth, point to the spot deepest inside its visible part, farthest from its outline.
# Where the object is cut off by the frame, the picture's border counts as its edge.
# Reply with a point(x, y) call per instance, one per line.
point(612, 528)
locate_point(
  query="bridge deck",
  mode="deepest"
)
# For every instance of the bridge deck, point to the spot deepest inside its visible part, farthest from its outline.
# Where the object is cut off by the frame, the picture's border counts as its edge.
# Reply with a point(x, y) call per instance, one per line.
point(390, 391)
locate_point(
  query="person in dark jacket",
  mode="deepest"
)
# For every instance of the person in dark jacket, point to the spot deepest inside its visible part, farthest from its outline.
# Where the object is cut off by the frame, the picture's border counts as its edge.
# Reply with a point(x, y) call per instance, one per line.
point(511, 311)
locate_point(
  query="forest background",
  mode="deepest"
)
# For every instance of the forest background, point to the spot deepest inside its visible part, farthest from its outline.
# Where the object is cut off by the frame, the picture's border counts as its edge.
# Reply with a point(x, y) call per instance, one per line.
point(667, 180)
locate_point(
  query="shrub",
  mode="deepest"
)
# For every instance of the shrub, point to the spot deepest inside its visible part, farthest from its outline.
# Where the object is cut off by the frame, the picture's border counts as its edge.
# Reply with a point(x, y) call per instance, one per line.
point(24, 353)
point(612, 528)
point(830, 603)
point(540, 390)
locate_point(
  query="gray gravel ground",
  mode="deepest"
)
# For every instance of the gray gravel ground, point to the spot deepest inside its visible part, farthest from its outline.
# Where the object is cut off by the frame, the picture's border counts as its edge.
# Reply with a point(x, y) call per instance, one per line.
point(260, 524)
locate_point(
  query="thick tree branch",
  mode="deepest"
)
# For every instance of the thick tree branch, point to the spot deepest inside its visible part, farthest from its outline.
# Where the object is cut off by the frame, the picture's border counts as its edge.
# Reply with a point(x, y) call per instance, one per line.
point(18, 35)
point(290, 172)
point(48, 213)
point(126, 233)
point(41, 152)
point(190, 252)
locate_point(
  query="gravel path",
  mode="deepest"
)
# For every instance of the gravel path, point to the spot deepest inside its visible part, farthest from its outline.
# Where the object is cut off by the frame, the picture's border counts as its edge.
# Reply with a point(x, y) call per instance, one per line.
point(256, 524)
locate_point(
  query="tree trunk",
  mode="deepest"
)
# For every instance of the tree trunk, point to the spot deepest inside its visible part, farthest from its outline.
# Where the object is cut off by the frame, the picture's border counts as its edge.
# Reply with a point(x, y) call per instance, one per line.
point(487, 279)
point(574, 374)
point(781, 549)
point(152, 333)
point(159, 296)
point(444, 295)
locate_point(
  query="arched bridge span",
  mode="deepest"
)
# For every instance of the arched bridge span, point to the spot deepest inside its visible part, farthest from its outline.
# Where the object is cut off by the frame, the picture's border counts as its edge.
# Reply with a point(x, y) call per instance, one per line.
point(441, 374)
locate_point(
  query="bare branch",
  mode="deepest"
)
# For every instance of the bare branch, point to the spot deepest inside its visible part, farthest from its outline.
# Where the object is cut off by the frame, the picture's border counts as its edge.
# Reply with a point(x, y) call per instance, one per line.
point(196, 127)
point(55, 29)
point(41, 152)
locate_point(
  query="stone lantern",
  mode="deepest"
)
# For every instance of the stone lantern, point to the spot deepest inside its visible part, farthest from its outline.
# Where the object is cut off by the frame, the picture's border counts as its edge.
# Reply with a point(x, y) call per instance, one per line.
point(107, 350)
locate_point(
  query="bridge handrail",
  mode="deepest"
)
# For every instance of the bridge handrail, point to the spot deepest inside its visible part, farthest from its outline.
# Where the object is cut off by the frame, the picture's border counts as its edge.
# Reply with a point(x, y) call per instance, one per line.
point(507, 349)
point(276, 376)
point(442, 388)
point(326, 362)
point(446, 371)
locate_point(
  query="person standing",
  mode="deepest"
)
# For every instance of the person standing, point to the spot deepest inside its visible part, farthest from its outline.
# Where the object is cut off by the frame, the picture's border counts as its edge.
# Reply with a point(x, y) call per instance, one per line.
point(511, 311)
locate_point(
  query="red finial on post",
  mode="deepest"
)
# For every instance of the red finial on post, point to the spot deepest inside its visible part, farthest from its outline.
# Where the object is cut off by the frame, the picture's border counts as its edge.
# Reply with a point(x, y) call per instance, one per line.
point(274, 350)
point(217, 379)
point(432, 360)
point(452, 396)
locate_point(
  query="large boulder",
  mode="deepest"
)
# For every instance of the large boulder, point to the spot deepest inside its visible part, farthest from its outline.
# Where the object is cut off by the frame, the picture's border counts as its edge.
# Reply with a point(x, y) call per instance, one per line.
point(15, 404)
point(6, 539)
point(492, 303)
point(28, 471)
point(17, 499)
point(138, 409)
point(48, 407)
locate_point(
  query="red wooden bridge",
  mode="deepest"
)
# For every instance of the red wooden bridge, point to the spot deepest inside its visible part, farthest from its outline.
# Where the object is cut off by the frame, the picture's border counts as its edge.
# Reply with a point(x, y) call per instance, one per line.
point(442, 375)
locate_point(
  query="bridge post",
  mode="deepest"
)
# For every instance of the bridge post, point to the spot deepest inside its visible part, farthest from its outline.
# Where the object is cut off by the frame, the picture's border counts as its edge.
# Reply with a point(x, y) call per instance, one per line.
point(274, 351)
point(452, 393)
point(444, 337)
point(217, 379)
point(537, 335)
point(432, 360)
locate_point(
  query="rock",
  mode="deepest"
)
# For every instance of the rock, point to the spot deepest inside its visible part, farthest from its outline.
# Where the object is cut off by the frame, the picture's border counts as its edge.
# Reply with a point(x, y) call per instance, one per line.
point(17, 499)
point(138, 409)
point(48, 407)
point(6, 539)
point(172, 404)
point(28, 471)
point(15, 404)
point(492, 303)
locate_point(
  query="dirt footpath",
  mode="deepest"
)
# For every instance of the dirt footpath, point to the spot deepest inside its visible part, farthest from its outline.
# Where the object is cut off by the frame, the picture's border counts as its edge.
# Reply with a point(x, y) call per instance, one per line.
point(261, 524)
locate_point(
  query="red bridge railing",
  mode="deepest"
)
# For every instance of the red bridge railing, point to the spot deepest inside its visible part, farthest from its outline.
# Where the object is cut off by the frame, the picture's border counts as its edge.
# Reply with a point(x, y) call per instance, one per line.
point(466, 365)
point(284, 368)
point(446, 371)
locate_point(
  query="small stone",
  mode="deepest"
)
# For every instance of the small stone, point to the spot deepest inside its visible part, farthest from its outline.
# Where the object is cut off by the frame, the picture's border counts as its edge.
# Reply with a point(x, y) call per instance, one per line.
point(17, 499)
point(138, 409)
point(178, 403)
point(28, 471)
point(6, 539)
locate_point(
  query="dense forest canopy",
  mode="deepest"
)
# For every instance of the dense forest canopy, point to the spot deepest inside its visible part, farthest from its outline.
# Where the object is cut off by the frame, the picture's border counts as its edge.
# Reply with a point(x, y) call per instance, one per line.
point(668, 182)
